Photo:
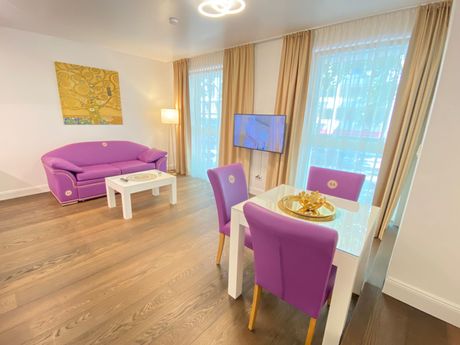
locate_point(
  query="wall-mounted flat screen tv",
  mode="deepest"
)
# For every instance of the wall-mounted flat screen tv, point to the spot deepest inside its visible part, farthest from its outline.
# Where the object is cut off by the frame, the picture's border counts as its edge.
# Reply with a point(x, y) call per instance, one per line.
point(259, 132)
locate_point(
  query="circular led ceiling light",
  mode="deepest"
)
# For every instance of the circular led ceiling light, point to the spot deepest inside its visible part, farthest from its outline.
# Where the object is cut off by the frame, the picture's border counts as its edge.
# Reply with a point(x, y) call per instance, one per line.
point(220, 8)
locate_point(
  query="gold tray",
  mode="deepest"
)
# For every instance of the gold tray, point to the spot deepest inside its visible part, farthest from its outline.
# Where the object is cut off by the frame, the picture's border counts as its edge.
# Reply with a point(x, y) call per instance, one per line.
point(141, 177)
point(290, 204)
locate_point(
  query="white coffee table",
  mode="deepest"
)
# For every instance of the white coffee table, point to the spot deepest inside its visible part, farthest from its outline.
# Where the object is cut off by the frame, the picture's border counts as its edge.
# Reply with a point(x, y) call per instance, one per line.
point(126, 188)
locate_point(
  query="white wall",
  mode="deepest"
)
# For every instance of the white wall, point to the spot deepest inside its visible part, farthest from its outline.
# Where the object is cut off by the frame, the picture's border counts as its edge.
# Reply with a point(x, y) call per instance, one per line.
point(425, 266)
point(267, 61)
point(30, 114)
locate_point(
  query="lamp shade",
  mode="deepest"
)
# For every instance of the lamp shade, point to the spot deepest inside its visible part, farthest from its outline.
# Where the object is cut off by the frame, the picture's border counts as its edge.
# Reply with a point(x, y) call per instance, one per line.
point(169, 116)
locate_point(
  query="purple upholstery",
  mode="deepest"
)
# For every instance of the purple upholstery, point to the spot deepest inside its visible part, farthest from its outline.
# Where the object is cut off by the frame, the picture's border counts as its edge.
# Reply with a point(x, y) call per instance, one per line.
point(98, 152)
point(90, 182)
point(292, 258)
point(342, 184)
point(92, 172)
point(133, 166)
point(90, 190)
point(151, 155)
point(230, 188)
point(161, 164)
point(247, 235)
point(77, 171)
point(60, 163)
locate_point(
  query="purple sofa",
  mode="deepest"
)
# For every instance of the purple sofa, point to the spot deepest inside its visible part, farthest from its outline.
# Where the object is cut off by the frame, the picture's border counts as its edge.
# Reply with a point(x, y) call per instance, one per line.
point(77, 171)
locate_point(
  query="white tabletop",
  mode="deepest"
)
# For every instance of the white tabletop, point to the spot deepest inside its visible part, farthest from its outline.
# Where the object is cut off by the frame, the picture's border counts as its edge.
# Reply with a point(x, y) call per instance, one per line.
point(160, 176)
point(351, 222)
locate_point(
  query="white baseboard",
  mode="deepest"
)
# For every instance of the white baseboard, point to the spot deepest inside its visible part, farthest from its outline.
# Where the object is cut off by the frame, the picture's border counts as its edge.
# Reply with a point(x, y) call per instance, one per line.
point(426, 302)
point(17, 193)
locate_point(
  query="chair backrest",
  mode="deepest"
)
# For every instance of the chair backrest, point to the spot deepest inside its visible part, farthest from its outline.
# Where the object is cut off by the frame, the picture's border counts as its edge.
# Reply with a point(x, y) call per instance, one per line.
point(342, 184)
point(293, 258)
point(230, 188)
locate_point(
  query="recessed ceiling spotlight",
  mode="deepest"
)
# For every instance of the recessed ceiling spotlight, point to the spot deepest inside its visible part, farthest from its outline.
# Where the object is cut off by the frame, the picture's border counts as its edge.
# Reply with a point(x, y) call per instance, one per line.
point(220, 8)
point(173, 20)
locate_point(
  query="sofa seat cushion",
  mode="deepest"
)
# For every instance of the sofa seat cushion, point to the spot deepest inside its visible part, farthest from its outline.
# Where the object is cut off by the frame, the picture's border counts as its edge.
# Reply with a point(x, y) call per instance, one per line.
point(133, 166)
point(91, 172)
point(88, 183)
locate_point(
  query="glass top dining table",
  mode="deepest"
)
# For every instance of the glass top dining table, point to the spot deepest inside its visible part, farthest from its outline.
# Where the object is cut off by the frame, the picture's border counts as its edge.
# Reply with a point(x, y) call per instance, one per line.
point(351, 219)
point(355, 224)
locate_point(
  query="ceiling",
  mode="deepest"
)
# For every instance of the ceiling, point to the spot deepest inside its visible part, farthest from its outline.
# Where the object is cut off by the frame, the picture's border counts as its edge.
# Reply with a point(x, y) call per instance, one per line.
point(141, 27)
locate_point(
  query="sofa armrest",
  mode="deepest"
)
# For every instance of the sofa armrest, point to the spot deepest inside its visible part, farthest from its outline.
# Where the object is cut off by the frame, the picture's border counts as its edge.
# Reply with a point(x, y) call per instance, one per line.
point(162, 164)
point(61, 163)
point(152, 155)
point(62, 184)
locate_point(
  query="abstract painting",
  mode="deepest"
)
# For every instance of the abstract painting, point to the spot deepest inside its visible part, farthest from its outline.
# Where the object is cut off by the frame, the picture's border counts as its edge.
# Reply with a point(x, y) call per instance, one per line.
point(89, 96)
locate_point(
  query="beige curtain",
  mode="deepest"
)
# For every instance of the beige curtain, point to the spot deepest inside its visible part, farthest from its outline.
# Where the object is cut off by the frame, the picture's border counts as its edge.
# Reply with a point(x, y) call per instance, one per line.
point(290, 101)
point(237, 97)
point(181, 97)
point(412, 105)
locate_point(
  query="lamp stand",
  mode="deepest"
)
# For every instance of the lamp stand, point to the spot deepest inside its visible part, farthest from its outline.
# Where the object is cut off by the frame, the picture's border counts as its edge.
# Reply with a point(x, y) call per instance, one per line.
point(172, 164)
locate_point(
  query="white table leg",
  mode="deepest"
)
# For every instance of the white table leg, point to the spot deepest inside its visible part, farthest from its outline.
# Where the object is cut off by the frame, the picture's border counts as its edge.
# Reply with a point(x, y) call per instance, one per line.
point(363, 264)
point(235, 270)
point(173, 193)
point(111, 201)
point(341, 296)
point(126, 201)
point(156, 191)
point(365, 255)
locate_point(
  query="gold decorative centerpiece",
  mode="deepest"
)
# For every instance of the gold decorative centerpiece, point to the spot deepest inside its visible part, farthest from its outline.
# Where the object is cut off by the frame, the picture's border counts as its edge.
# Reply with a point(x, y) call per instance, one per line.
point(142, 177)
point(311, 206)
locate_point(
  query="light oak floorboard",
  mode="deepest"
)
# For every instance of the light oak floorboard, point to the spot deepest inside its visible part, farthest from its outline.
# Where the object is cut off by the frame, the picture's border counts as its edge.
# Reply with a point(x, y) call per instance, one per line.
point(82, 275)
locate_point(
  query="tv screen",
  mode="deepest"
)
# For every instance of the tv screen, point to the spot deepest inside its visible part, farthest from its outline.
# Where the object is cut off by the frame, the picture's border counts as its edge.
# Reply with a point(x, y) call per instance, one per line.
point(259, 132)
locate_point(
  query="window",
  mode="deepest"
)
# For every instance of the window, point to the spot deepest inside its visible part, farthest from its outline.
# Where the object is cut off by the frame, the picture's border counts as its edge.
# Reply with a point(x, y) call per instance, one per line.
point(353, 86)
point(205, 83)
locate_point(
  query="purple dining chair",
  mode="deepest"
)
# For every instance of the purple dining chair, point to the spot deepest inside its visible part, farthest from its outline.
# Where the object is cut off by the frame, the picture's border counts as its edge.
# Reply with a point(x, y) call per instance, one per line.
point(230, 188)
point(342, 184)
point(292, 260)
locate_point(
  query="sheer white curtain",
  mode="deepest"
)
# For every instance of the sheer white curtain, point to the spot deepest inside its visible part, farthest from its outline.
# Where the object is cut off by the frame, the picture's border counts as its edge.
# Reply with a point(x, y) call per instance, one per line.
point(354, 75)
point(205, 83)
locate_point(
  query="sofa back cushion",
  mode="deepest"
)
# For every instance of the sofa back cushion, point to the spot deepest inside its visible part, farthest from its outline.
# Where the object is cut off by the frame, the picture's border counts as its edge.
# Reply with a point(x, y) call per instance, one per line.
point(98, 152)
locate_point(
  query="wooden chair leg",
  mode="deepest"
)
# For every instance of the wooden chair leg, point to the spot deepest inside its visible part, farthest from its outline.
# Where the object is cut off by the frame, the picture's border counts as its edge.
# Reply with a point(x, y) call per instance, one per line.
point(311, 331)
point(220, 249)
point(255, 304)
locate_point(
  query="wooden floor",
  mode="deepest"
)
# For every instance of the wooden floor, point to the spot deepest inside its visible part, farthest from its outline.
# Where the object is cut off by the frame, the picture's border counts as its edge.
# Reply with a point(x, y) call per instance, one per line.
point(379, 319)
point(81, 274)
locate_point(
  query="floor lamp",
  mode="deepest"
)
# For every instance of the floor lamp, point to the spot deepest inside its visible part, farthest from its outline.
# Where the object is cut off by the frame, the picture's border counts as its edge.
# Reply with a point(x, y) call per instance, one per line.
point(171, 118)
